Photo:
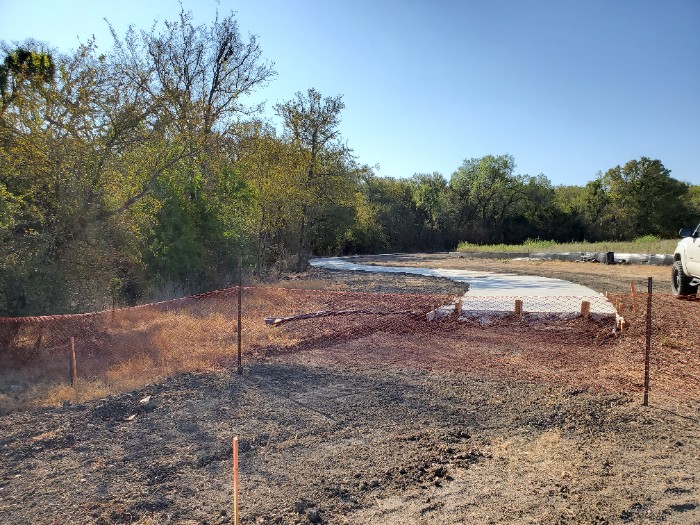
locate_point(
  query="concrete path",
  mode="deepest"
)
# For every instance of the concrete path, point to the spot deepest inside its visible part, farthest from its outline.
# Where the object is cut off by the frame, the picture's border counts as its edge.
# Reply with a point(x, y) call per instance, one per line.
point(497, 292)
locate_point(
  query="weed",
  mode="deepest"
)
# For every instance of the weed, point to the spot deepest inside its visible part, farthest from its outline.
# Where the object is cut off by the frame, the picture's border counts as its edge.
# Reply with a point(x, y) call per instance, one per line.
point(647, 244)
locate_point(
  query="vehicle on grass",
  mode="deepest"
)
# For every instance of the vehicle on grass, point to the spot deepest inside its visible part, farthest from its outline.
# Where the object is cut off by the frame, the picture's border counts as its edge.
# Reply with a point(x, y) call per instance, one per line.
point(685, 276)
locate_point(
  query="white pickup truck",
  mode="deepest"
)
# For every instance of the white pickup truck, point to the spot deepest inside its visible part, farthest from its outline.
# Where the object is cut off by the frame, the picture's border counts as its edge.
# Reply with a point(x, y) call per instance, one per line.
point(686, 263)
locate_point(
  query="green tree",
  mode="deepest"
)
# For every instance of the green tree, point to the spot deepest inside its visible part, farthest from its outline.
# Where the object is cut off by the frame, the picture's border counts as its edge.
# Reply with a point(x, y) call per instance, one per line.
point(24, 68)
point(569, 222)
point(395, 212)
point(311, 124)
point(50, 168)
point(534, 215)
point(694, 203)
point(485, 193)
point(651, 200)
point(123, 167)
point(269, 164)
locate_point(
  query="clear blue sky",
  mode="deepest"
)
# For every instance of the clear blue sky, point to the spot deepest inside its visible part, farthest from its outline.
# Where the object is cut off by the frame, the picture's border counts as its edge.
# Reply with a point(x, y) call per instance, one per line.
point(566, 87)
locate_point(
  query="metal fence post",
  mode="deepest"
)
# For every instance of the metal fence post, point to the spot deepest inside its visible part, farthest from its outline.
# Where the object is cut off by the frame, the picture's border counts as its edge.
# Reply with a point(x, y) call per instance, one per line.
point(647, 353)
point(240, 301)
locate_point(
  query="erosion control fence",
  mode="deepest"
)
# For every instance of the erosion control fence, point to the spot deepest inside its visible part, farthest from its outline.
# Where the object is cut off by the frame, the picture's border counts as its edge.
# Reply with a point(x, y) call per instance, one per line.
point(579, 343)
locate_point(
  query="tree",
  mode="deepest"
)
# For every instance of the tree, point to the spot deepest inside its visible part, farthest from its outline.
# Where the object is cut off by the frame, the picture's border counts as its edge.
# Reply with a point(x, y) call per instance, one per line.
point(24, 66)
point(184, 87)
point(122, 167)
point(429, 190)
point(485, 192)
point(694, 201)
point(652, 202)
point(269, 166)
point(195, 75)
point(603, 220)
point(534, 215)
point(311, 125)
point(51, 163)
point(569, 224)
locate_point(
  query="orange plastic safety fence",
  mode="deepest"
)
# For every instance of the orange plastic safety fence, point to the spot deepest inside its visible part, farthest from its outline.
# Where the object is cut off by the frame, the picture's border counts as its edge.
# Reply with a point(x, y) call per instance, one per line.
point(577, 342)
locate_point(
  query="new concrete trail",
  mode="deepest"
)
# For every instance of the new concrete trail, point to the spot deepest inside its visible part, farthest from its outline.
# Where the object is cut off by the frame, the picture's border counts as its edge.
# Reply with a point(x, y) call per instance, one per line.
point(497, 292)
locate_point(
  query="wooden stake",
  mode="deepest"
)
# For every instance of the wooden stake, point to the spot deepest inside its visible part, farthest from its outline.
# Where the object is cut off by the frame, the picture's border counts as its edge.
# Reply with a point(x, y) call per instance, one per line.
point(74, 369)
point(235, 480)
point(634, 296)
point(585, 309)
point(518, 307)
point(458, 306)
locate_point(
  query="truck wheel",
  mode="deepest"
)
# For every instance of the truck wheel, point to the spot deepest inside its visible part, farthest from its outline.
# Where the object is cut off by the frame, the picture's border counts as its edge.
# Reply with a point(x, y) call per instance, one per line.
point(680, 282)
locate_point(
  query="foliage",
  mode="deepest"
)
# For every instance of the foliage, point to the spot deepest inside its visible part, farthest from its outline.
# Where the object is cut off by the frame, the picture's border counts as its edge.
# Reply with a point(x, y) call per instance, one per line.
point(693, 200)
point(22, 66)
point(119, 171)
point(311, 125)
point(642, 245)
point(636, 199)
point(486, 193)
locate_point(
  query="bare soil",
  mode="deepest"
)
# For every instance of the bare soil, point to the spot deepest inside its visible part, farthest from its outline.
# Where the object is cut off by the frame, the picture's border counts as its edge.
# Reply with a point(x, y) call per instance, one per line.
point(359, 433)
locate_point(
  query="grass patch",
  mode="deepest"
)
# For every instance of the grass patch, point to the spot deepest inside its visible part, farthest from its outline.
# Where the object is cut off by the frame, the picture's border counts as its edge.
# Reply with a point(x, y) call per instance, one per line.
point(136, 347)
point(647, 244)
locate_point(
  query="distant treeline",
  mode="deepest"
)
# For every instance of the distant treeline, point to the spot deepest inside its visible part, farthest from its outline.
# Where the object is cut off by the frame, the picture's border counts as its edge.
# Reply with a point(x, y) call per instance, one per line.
point(142, 173)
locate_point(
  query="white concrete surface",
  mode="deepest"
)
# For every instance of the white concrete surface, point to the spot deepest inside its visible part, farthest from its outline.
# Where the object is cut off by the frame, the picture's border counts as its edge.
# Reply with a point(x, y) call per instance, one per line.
point(497, 292)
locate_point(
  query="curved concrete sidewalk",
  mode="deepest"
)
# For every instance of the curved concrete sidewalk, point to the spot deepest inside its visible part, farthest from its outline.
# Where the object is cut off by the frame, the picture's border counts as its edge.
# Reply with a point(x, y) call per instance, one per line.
point(496, 292)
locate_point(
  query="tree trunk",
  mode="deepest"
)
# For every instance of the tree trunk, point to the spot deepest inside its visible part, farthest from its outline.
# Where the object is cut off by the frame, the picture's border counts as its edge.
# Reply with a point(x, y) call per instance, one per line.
point(282, 255)
point(301, 261)
point(261, 244)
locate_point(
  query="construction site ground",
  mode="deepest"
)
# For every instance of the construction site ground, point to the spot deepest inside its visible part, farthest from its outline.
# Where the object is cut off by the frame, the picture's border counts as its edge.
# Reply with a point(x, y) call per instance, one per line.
point(382, 429)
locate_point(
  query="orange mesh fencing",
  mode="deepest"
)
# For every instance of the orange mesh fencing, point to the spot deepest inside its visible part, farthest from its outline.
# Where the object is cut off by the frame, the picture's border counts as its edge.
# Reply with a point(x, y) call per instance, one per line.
point(675, 346)
point(580, 343)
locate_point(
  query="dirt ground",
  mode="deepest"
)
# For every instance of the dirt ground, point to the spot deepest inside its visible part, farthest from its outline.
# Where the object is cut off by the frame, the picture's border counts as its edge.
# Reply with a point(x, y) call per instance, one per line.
point(358, 433)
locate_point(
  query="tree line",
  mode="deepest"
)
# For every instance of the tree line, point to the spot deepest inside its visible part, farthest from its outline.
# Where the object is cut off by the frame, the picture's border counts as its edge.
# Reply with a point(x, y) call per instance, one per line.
point(142, 173)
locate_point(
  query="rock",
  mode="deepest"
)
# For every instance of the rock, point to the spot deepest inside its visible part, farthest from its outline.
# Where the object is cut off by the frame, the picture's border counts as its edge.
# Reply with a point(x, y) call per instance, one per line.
point(16, 389)
point(145, 401)
point(439, 471)
point(441, 312)
point(301, 506)
point(314, 516)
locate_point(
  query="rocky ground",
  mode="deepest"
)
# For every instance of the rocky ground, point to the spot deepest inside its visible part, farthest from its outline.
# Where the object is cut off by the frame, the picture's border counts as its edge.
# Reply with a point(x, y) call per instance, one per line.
point(329, 438)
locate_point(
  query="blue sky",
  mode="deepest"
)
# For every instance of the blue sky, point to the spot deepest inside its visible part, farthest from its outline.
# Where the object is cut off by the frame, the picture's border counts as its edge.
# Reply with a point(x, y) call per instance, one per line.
point(568, 88)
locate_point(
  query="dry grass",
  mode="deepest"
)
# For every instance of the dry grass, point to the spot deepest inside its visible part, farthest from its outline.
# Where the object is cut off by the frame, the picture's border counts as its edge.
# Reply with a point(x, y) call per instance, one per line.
point(131, 349)
point(135, 347)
